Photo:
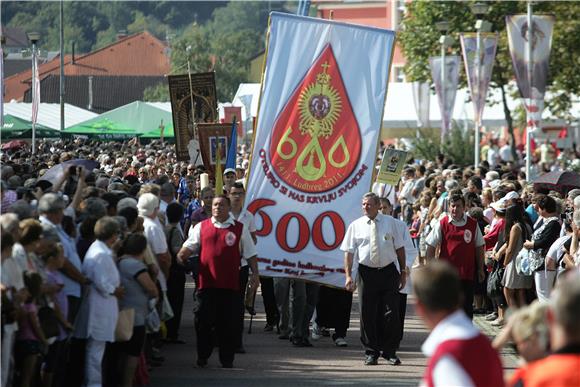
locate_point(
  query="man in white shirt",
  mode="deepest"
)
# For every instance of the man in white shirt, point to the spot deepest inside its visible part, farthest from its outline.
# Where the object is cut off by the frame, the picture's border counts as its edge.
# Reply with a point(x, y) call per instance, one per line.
point(236, 195)
point(221, 243)
point(377, 246)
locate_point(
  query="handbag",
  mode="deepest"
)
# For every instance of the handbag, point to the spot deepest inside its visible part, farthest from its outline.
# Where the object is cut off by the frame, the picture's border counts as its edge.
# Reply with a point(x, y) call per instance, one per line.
point(152, 321)
point(125, 322)
point(166, 310)
point(528, 261)
point(48, 322)
point(494, 286)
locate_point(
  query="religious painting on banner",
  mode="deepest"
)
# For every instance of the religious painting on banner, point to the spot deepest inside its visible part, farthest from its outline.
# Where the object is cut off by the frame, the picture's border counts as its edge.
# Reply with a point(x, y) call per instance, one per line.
point(445, 88)
point(478, 69)
point(315, 141)
point(210, 135)
point(191, 93)
point(517, 29)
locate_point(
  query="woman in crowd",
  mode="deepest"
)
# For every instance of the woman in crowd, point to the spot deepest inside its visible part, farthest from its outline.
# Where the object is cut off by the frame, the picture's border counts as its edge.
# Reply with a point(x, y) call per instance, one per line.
point(516, 231)
point(139, 289)
point(542, 238)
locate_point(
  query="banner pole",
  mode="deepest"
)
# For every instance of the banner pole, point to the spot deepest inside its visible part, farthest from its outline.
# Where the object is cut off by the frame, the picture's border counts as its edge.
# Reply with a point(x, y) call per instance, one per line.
point(477, 87)
point(443, 123)
point(34, 96)
point(530, 123)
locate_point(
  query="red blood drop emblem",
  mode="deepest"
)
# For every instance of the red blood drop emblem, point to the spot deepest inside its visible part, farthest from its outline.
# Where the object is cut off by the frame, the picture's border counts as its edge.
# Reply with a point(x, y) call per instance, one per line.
point(316, 142)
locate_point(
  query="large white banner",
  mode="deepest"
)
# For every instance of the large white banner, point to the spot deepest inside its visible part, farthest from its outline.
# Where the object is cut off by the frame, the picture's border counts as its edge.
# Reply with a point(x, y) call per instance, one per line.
point(317, 131)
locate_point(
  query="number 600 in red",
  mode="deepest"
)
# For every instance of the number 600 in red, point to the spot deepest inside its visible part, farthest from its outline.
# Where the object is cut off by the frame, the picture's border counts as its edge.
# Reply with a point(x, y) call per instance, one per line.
point(256, 208)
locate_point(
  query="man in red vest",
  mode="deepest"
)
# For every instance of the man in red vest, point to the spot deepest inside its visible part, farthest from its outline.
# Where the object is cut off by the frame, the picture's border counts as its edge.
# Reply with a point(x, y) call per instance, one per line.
point(221, 242)
point(461, 244)
point(562, 367)
point(459, 355)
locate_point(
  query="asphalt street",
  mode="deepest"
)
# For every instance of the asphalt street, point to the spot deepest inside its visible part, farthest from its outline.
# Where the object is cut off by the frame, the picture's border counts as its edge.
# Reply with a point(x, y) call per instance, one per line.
point(270, 361)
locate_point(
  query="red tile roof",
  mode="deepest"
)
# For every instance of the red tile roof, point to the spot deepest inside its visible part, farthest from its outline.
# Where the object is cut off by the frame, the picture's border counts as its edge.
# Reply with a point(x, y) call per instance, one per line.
point(140, 54)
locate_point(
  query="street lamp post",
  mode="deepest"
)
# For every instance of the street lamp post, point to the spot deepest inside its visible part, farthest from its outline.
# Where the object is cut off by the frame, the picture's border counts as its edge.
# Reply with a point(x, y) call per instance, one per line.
point(34, 37)
point(480, 10)
point(2, 44)
point(443, 27)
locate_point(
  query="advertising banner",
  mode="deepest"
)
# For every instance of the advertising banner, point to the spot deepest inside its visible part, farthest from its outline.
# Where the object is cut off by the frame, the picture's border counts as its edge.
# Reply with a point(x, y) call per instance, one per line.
point(316, 140)
point(445, 87)
point(478, 70)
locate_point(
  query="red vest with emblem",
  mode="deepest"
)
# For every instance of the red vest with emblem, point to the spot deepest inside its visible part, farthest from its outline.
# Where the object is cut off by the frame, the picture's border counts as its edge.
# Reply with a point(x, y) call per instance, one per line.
point(220, 256)
point(477, 358)
point(458, 246)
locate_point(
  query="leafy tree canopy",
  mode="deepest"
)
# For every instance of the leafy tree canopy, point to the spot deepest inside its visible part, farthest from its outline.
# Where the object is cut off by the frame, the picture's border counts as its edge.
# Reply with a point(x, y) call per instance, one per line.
point(419, 40)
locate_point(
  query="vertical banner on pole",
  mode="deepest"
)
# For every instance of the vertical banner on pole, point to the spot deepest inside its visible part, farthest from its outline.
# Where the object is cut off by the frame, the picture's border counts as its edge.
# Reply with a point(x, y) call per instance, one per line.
point(315, 142)
point(517, 29)
point(478, 81)
point(445, 93)
point(421, 94)
point(1, 86)
point(35, 90)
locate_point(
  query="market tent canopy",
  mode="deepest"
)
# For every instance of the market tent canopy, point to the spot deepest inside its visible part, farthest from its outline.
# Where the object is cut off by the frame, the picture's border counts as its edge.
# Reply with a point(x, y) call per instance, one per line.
point(15, 127)
point(134, 119)
point(49, 113)
point(168, 131)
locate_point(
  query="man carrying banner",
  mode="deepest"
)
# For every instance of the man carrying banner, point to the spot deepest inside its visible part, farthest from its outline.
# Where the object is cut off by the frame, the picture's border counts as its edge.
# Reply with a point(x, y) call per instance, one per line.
point(221, 243)
point(372, 238)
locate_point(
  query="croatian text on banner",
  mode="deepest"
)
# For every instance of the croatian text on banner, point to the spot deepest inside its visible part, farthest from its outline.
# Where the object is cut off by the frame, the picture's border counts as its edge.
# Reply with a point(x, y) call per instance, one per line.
point(315, 142)
point(445, 92)
point(392, 165)
point(478, 69)
point(517, 28)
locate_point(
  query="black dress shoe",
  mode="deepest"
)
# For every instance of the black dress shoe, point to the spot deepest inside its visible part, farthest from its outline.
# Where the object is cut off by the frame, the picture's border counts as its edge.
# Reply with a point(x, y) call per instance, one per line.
point(268, 328)
point(227, 365)
point(306, 343)
point(371, 360)
point(284, 336)
point(201, 363)
point(394, 360)
point(240, 350)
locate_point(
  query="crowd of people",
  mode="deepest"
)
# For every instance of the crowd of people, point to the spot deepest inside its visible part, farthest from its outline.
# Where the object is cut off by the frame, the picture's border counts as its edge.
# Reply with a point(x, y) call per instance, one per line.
point(95, 261)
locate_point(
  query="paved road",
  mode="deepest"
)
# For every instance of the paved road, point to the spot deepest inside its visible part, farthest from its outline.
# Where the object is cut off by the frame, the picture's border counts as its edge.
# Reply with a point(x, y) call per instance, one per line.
point(273, 362)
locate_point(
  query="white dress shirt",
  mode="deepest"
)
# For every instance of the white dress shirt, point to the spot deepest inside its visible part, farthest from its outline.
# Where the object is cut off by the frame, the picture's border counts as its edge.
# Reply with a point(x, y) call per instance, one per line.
point(357, 240)
point(435, 237)
point(247, 219)
point(247, 246)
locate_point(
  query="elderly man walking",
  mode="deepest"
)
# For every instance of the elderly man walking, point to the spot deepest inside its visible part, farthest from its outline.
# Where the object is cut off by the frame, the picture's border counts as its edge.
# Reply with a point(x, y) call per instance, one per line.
point(373, 239)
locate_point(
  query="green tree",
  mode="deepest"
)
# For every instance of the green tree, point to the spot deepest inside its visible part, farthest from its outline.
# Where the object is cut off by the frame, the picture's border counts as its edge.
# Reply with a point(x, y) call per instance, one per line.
point(457, 145)
point(419, 41)
point(157, 93)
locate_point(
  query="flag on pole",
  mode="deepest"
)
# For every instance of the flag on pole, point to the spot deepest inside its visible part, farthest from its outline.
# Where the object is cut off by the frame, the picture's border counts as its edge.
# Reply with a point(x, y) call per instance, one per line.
point(478, 80)
point(36, 89)
point(421, 96)
point(445, 93)
point(517, 29)
point(233, 147)
point(219, 178)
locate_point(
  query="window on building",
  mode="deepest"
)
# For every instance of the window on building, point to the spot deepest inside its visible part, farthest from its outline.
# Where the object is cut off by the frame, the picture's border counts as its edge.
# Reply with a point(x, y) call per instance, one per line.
point(398, 74)
point(399, 9)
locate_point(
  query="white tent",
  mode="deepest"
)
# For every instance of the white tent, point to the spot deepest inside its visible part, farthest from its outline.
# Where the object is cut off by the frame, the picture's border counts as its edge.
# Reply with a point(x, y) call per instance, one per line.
point(49, 113)
point(400, 119)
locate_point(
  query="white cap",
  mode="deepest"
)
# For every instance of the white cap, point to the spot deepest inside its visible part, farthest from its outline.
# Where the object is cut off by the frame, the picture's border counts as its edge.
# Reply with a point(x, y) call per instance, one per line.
point(511, 195)
point(499, 206)
point(228, 170)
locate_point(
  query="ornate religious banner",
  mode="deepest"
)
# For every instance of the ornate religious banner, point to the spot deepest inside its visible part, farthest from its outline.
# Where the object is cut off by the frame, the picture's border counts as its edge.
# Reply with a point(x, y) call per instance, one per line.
point(210, 135)
point(445, 87)
point(518, 31)
point(191, 93)
point(315, 143)
point(478, 70)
